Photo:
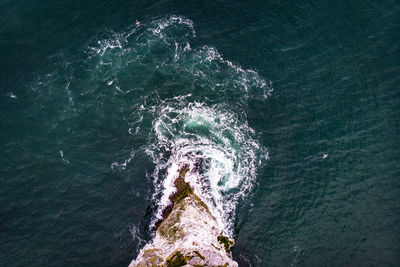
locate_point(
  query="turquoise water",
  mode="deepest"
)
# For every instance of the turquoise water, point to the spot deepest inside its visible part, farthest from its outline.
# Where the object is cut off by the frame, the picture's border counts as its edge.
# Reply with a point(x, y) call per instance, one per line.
point(96, 113)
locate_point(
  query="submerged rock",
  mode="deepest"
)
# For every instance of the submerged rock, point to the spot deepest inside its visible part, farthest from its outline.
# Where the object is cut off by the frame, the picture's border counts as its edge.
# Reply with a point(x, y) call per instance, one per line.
point(188, 235)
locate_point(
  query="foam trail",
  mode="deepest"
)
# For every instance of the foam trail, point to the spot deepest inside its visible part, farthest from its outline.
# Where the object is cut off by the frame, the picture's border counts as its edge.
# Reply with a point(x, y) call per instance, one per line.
point(219, 148)
point(196, 99)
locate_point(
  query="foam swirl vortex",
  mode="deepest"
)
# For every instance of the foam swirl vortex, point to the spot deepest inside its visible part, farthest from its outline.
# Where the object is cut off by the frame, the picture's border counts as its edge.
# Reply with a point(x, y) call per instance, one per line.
point(220, 149)
point(195, 99)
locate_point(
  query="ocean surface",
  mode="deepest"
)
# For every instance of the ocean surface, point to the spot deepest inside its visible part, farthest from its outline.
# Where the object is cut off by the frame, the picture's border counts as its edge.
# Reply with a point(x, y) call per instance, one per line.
point(98, 114)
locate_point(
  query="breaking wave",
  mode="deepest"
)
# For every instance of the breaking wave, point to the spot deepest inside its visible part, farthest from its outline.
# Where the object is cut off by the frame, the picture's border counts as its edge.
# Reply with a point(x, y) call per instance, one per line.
point(203, 124)
point(220, 149)
point(189, 103)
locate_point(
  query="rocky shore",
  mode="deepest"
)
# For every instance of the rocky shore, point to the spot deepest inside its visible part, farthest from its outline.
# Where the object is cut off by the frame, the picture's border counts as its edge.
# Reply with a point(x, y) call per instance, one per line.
point(188, 234)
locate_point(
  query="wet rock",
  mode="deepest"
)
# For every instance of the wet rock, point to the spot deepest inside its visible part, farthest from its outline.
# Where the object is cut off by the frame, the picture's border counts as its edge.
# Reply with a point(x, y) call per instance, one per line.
point(188, 236)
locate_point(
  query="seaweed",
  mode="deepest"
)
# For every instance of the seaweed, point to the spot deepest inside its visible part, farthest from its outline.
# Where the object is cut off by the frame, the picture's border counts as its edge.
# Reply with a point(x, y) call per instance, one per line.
point(226, 242)
point(183, 189)
point(199, 255)
point(176, 260)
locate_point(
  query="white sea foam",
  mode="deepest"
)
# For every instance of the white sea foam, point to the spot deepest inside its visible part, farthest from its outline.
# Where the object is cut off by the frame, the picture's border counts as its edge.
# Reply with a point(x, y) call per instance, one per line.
point(62, 157)
point(163, 45)
point(244, 79)
point(69, 93)
point(12, 95)
point(203, 123)
point(104, 45)
point(221, 151)
point(123, 165)
point(219, 146)
point(161, 24)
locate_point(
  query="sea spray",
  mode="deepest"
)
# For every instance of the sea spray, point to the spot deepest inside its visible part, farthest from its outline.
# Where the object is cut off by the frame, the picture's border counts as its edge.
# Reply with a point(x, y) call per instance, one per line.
point(179, 103)
point(219, 154)
point(220, 149)
point(212, 139)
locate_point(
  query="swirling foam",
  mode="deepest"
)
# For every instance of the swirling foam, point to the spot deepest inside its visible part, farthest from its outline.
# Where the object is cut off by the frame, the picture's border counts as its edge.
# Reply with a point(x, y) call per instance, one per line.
point(210, 134)
point(196, 100)
point(221, 150)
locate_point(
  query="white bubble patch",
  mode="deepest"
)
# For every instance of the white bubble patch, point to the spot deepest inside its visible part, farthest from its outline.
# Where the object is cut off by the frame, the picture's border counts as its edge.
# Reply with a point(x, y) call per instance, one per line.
point(196, 99)
point(221, 151)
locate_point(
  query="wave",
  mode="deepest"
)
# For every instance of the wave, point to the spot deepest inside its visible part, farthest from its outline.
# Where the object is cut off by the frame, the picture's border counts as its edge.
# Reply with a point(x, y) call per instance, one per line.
point(128, 62)
point(189, 102)
point(221, 150)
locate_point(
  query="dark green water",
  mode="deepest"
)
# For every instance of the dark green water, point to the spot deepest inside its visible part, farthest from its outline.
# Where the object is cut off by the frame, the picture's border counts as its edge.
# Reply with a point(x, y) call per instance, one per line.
point(271, 85)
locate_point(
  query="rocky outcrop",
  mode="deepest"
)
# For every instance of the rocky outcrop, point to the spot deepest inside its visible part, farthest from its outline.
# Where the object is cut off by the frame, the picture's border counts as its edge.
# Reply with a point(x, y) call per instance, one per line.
point(188, 235)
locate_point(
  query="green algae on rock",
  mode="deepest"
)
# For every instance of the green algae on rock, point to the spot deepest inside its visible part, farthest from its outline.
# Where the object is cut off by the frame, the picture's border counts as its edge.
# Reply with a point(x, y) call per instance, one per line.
point(226, 242)
point(176, 259)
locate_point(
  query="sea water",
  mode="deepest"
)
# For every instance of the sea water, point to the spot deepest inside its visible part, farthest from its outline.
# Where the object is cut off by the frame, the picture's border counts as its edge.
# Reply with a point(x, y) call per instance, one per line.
point(99, 114)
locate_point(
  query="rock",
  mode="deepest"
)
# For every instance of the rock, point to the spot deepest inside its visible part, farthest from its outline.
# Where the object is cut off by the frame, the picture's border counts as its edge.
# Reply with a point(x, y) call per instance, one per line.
point(188, 235)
